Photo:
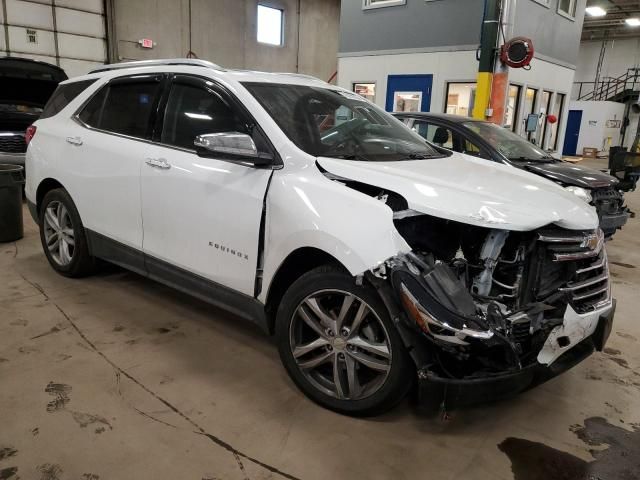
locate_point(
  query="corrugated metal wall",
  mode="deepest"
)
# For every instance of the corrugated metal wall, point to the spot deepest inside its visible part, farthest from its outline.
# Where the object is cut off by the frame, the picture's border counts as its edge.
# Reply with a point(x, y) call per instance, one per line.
point(68, 33)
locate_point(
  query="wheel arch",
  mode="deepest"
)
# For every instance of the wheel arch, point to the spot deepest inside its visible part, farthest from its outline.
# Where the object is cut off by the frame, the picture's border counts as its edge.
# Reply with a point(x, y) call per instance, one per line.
point(44, 187)
point(296, 264)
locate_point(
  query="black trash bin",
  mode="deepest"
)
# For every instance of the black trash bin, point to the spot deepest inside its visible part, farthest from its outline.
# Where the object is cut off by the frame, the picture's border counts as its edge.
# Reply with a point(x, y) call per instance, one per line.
point(11, 182)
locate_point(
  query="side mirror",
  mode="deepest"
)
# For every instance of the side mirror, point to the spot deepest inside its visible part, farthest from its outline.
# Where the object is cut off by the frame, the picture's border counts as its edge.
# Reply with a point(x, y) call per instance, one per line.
point(230, 145)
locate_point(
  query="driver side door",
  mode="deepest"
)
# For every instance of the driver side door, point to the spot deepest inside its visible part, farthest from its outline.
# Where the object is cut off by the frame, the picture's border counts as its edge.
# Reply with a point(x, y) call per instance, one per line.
point(201, 216)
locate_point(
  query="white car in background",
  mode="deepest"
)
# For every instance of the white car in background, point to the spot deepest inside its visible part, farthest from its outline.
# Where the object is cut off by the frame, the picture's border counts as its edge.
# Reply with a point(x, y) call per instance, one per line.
point(375, 258)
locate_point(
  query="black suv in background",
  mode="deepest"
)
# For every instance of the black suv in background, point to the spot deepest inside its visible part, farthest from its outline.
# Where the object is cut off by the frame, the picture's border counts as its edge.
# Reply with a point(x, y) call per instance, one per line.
point(492, 142)
point(25, 87)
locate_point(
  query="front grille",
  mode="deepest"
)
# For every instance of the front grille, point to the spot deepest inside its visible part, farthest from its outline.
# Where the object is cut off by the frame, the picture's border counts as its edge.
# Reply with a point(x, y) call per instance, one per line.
point(12, 143)
point(575, 264)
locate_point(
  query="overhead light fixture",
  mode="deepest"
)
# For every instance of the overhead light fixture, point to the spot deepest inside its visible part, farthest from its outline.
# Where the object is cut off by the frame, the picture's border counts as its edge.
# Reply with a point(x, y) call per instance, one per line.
point(633, 22)
point(596, 11)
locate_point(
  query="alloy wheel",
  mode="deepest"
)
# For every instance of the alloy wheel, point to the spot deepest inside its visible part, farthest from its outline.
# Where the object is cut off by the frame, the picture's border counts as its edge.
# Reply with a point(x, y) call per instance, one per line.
point(58, 233)
point(340, 345)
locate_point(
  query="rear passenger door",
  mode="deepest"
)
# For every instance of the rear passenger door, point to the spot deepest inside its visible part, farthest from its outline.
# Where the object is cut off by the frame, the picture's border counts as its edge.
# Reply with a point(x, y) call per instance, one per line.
point(106, 149)
point(202, 216)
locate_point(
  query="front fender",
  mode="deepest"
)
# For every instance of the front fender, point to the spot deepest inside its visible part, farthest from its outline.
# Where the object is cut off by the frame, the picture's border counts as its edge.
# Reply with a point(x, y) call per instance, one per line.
point(306, 209)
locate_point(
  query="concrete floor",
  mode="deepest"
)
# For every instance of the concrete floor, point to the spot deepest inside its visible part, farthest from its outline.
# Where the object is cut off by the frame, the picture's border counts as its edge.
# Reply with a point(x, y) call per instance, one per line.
point(118, 377)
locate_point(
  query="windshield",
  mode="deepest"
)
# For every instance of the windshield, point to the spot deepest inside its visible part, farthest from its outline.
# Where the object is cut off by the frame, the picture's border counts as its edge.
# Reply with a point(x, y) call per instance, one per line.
point(508, 143)
point(341, 124)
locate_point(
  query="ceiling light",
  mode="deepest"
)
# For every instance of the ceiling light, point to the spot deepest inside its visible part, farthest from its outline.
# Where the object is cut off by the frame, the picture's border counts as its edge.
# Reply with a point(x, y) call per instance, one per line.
point(634, 22)
point(596, 11)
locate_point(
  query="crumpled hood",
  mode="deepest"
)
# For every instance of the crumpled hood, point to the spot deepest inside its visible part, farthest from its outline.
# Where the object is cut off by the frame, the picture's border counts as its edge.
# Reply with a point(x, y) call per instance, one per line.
point(571, 174)
point(473, 191)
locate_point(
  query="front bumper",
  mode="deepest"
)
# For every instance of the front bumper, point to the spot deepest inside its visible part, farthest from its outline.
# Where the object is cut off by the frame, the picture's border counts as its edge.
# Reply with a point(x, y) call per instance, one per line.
point(436, 391)
point(609, 223)
point(12, 158)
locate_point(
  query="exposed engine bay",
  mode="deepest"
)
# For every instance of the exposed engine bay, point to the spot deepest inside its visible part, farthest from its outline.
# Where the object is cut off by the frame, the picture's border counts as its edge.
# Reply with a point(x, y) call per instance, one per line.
point(488, 299)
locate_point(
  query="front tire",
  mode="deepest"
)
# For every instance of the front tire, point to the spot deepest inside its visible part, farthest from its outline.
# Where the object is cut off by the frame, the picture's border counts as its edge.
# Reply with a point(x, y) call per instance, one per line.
point(338, 344)
point(63, 236)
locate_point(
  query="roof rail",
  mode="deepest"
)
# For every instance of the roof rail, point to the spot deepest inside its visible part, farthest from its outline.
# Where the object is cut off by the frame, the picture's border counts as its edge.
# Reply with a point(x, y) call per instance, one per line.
point(151, 63)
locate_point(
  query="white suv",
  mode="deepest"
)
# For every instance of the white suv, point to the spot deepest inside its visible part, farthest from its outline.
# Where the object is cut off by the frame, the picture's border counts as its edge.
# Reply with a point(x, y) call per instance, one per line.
point(378, 260)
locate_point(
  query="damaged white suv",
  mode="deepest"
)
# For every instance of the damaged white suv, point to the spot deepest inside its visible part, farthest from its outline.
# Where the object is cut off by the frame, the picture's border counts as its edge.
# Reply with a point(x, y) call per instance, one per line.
point(378, 261)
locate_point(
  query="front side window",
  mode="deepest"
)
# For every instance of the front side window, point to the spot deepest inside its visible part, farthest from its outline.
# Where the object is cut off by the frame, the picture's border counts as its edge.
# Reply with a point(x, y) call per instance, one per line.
point(436, 134)
point(123, 107)
point(512, 146)
point(193, 111)
point(338, 123)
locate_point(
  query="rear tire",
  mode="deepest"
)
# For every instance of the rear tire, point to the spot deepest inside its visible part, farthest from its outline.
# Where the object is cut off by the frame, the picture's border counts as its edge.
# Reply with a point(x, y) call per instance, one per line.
point(362, 368)
point(63, 236)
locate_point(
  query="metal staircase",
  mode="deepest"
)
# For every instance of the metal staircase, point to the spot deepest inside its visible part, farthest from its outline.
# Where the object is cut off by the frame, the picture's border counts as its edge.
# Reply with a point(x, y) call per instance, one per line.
point(619, 89)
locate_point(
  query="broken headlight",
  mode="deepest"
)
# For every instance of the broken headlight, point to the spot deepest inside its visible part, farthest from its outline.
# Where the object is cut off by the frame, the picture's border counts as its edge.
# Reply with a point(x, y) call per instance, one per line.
point(580, 192)
point(439, 305)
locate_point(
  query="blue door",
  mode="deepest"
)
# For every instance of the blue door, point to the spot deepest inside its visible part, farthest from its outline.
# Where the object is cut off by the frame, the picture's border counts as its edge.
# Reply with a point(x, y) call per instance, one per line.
point(409, 93)
point(572, 132)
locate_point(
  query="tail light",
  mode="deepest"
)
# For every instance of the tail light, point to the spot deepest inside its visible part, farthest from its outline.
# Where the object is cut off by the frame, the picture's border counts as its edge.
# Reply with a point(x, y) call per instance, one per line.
point(30, 133)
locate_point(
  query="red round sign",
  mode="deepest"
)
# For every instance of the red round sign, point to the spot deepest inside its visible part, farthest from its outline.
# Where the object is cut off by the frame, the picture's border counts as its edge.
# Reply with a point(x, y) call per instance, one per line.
point(552, 118)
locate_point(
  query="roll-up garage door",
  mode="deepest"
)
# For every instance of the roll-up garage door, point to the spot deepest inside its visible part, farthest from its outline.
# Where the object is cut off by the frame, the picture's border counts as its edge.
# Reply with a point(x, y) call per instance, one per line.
point(68, 33)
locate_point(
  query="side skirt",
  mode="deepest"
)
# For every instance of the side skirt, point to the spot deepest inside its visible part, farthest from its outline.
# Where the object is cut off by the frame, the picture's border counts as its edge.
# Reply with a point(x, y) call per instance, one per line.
point(187, 282)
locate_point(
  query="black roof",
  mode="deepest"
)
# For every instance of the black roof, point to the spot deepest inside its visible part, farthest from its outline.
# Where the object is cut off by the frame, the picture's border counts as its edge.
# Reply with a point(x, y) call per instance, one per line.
point(16, 67)
point(441, 116)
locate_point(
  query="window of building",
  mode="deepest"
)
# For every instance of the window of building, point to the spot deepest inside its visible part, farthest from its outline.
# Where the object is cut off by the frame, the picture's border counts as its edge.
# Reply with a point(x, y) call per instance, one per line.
point(366, 90)
point(558, 106)
point(530, 97)
point(460, 98)
point(270, 23)
point(545, 107)
point(542, 2)
point(407, 101)
point(567, 7)
point(367, 4)
point(193, 111)
point(513, 104)
point(123, 107)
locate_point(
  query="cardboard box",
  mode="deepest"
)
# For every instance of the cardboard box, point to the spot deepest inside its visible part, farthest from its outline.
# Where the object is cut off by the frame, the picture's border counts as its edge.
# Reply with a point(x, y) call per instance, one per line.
point(589, 152)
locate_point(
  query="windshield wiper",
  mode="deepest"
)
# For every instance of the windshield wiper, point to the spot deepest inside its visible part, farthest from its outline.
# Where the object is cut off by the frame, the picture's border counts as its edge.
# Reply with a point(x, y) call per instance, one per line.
point(345, 156)
point(418, 156)
point(529, 159)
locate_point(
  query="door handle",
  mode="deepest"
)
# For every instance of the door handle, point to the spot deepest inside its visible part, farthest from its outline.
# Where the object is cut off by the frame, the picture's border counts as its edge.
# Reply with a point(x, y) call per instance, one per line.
point(158, 163)
point(74, 141)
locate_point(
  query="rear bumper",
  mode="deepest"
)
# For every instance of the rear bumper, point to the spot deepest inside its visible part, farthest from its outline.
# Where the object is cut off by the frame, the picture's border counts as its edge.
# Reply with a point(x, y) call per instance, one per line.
point(12, 158)
point(436, 391)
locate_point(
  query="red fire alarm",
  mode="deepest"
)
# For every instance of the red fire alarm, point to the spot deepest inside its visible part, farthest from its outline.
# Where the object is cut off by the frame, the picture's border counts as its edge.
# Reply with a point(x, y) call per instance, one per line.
point(552, 118)
point(146, 43)
point(517, 52)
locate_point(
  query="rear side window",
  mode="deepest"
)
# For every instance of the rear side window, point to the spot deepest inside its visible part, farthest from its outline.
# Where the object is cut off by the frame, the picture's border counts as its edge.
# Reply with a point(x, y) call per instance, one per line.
point(123, 107)
point(63, 95)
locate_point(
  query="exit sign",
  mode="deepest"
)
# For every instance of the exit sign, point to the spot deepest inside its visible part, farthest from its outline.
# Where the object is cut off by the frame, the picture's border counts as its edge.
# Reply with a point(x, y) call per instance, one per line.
point(146, 43)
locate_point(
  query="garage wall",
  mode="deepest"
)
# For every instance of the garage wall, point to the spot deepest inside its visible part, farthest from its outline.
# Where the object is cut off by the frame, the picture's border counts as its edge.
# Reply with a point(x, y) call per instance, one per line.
point(67, 33)
point(460, 66)
point(224, 31)
point(417, 24)
point(620, 55)
point(593, 126)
